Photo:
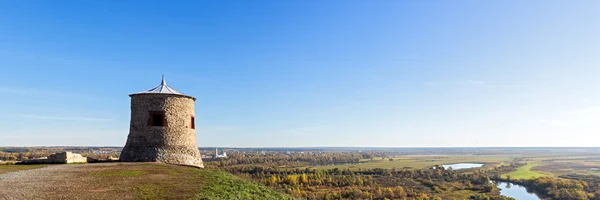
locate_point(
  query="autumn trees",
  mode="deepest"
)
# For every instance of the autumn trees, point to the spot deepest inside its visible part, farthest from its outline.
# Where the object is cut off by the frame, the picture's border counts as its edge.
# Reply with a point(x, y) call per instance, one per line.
point(367, 183)
point(281, 171)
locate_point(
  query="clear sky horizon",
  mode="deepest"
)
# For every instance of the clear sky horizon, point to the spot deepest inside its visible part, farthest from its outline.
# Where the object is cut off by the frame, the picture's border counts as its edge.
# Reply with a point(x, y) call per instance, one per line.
point(306, 73)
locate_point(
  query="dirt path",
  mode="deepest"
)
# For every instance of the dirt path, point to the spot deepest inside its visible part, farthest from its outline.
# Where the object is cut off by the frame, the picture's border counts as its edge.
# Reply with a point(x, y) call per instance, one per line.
point(37, 183)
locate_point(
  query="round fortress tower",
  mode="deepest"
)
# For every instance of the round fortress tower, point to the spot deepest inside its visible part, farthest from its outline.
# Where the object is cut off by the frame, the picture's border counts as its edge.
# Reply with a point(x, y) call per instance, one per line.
point(162, 128)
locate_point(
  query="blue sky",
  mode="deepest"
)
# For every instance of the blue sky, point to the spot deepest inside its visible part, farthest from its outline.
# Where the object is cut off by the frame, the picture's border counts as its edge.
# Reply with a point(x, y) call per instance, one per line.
point(306, 73)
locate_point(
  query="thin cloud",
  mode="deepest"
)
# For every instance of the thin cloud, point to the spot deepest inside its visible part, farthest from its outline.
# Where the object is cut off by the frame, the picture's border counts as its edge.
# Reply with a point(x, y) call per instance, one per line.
point(577, 117)
point(591, 109)
point(216, 129)
point(37, 56)
point(224, 128)
point(60, 118)
point(475, 83)
point(33, 92)
point(309, 130)
point(432, 83)
point(457, 83)
point(557, 123)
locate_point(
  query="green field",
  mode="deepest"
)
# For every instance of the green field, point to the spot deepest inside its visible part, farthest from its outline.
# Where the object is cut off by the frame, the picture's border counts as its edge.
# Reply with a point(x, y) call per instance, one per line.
point(569, 165)
point(223, 185)
point(525, 172)
point(420, 162)
point(537, 165)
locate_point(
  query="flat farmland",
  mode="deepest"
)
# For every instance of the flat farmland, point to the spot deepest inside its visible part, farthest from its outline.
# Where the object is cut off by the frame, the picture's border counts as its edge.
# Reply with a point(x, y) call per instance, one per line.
point(417, 162)
point(557, 166)
point(580, 165)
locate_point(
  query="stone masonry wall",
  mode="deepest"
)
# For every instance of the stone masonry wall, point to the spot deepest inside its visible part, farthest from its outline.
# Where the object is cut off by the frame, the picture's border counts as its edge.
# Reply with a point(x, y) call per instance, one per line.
point(66, 157)
point(174, 143)
point(58, 158)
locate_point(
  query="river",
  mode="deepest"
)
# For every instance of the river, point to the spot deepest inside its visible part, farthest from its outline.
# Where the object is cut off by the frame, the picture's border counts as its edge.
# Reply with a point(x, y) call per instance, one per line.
point(506, 189)
point(458, 166)
point(515, 191)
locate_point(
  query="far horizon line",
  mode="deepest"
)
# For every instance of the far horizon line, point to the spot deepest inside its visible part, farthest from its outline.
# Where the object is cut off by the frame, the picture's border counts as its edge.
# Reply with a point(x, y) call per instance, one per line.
point(314, 147)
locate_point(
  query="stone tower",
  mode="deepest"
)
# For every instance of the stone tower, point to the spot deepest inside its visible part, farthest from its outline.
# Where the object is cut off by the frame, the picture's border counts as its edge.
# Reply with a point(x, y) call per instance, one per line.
point(162, 128)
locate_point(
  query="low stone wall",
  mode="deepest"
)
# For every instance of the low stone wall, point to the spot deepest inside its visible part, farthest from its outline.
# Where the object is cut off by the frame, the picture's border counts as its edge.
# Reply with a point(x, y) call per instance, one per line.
point(59, 158)
point(67, 157)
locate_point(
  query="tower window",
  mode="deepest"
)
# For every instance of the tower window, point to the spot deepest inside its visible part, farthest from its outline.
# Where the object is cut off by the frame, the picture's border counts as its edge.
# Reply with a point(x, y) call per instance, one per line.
point(193, 123)
point(157, 118)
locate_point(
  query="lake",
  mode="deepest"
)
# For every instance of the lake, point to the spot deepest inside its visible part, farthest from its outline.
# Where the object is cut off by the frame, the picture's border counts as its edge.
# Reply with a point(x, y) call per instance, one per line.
point(462, 166)
point(515, 191)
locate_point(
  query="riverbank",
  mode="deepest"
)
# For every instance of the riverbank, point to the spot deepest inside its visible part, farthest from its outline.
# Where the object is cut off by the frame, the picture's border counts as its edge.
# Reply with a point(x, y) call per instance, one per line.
point(516, 191)
point(558, 188)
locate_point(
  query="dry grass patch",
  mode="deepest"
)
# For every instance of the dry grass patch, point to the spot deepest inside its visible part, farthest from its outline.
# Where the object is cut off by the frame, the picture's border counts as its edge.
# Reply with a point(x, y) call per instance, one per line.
point(148, 181)
point(137, 181)
point(120, 173)
point(13, 168)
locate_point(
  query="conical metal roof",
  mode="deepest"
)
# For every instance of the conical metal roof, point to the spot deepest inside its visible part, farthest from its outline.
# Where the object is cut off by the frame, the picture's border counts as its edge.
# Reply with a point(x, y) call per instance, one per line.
point(163, 88)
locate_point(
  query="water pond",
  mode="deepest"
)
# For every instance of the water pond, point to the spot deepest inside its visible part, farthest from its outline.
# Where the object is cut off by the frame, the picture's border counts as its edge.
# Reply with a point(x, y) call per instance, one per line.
point(507, 189)
point(515, 191)
point(462, 166)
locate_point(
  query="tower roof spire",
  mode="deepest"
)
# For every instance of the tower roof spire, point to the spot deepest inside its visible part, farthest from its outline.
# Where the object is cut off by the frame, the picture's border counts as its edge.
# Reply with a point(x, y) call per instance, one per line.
point(163, 89)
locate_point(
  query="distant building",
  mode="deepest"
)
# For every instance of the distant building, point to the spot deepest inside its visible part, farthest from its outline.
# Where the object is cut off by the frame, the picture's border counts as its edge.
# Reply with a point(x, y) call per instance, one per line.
point(220, 155)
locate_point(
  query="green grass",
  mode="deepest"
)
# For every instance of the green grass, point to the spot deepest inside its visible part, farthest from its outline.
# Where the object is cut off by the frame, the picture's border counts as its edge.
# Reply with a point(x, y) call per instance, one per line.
point(223, 185)
point(525, 172)
point(151, 192)
point(14, 168)
point(120, 173)
point(153, 181)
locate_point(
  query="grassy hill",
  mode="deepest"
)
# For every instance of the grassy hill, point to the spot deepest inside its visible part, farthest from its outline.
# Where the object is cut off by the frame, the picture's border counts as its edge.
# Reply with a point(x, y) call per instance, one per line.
point(133, 181)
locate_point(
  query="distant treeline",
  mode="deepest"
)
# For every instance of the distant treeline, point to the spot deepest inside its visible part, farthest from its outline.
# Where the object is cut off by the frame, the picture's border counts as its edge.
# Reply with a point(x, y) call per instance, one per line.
point(291, 160)
point(28, 153)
